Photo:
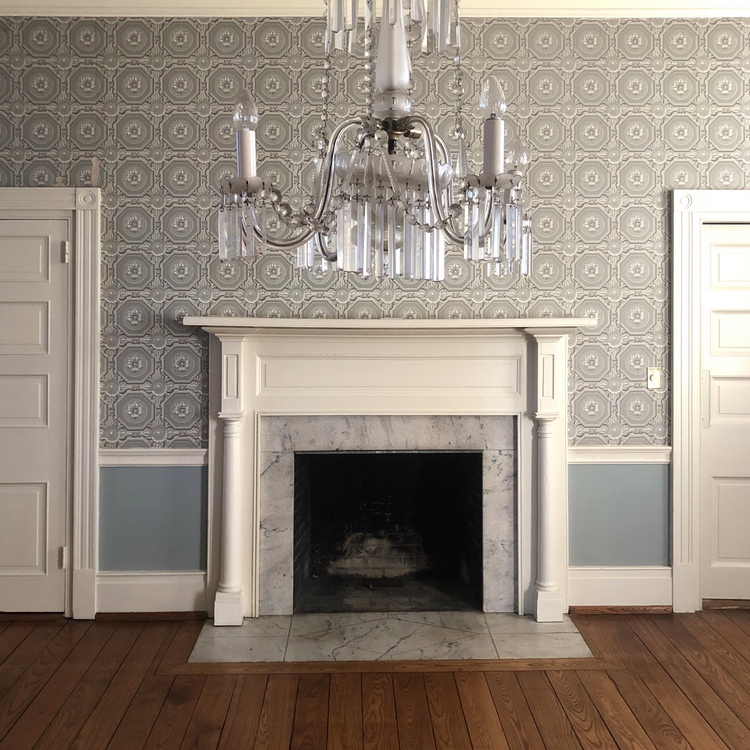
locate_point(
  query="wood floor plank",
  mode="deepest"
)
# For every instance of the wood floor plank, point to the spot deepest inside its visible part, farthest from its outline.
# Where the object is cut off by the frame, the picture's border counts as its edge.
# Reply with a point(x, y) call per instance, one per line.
point(725, 640)
point(181, 646)
point(379, 728)
point(241, 725)
point(206, 723)
point(141, 714)
point(277, 715)
point(657, 724)
point(34, 716)
point(345, 712)
point(68, 721)
point(718, 714)
point(588, 725)
point(39, 672)
point(551, 720)
point(615, 634)
point(101, 725)
point(515, 715)
point(12, 636)
point(727, 682)
point(26, 653)
point(482, 721)
point(622, 723)
point(173, 719)
point(310, 730)
point(412, 712)
point(448, 722)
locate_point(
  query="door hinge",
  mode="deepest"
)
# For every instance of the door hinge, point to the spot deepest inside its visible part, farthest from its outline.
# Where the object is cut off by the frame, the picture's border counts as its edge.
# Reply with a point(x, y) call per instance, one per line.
point(64, 558)
point(66, 251)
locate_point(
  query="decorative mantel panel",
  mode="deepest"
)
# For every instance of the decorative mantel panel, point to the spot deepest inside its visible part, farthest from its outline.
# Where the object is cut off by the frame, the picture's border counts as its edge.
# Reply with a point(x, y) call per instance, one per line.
point(514, 367)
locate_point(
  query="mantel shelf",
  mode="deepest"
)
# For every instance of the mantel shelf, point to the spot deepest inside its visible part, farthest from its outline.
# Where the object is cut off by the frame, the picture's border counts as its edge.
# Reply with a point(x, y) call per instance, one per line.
point(277, 325)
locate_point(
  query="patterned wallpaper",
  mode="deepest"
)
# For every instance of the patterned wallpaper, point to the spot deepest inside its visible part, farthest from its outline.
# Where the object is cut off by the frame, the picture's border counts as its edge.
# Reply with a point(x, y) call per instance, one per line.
point(616, 113)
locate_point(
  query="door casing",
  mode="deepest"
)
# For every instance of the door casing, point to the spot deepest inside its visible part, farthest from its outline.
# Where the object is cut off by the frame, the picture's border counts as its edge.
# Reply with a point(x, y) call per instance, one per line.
point(85, 253)
point(691, 210)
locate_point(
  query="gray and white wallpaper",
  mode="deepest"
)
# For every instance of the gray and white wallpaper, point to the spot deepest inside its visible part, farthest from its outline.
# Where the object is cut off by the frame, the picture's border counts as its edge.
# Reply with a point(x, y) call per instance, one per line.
point(616, 114)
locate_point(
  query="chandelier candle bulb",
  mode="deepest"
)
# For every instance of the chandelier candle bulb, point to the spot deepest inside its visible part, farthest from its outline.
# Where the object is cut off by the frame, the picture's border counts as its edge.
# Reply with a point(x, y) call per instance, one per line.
point(245, 121)
point(494, 146)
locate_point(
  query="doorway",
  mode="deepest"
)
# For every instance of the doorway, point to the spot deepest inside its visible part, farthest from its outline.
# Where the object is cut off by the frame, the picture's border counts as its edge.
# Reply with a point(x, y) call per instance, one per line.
point(711, 396)
point(49, 395)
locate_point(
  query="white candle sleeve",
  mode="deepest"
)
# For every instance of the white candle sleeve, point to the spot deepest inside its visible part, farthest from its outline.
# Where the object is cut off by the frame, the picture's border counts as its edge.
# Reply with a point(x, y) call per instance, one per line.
point(246, 164)
point(494, 146)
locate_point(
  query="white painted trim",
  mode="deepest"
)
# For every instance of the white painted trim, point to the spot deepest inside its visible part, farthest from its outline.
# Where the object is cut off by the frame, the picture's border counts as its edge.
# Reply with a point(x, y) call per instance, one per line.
point(691, 209)
point(85, 205)
point(153, 457)
point(469, 8)
point(619, 587)
point(151, 591)
point(619, 454)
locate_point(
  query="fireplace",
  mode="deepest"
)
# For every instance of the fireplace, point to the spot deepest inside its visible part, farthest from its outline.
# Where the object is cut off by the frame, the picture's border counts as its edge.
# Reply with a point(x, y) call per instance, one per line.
point(381, 531)
point(292, 446)
point(280, 387)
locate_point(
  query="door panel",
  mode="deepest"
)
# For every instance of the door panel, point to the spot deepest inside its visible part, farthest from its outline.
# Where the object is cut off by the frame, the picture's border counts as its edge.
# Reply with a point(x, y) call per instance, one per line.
point(725, 437)
point(34, 408)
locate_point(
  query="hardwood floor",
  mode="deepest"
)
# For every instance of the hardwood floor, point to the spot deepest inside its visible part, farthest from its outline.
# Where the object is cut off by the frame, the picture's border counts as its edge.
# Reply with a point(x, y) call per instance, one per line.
point(658, 682)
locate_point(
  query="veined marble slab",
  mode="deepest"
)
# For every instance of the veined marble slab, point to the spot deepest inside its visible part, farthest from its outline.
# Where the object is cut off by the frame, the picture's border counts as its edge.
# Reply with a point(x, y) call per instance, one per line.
point(281, 436)
point(389, 636)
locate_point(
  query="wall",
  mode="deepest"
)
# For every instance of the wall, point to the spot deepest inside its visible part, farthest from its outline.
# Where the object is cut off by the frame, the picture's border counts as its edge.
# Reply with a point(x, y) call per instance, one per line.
point(616, 114)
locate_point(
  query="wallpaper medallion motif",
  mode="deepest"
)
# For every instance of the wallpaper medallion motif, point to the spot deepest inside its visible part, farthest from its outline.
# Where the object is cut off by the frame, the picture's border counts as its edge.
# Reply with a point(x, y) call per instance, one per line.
point(616, 113)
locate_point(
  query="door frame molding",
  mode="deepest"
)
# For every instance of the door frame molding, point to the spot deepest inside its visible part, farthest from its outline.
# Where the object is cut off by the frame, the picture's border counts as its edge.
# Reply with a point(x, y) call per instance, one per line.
point(691, 209)
point(82, 511)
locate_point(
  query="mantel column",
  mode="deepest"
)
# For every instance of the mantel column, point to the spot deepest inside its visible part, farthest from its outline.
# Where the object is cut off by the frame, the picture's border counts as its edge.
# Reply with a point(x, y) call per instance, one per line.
point(228, 605)
point(550, 597)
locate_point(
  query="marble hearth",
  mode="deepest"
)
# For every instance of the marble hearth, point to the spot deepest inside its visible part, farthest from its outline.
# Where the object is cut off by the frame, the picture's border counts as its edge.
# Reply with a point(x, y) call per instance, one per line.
point(274, 382)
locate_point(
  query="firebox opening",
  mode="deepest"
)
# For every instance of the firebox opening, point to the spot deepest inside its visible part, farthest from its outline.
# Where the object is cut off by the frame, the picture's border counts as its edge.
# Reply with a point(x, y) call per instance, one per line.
point(387, 531)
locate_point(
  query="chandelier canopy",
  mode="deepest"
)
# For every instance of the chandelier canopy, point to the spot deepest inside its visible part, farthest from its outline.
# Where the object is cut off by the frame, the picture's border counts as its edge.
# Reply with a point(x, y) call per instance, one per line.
point(386, 196)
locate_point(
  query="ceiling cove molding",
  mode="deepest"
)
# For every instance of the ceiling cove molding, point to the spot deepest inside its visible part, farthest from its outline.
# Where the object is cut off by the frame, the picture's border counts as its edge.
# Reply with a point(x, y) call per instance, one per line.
point(469, 8)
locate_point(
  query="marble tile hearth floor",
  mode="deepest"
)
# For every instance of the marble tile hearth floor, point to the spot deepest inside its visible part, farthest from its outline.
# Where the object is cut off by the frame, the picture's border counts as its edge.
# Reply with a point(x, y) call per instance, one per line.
point(389, 636)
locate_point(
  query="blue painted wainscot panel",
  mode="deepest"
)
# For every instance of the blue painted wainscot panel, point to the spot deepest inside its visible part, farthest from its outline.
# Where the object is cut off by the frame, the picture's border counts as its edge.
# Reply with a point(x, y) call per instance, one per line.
point(619, 514)
point(153, 518)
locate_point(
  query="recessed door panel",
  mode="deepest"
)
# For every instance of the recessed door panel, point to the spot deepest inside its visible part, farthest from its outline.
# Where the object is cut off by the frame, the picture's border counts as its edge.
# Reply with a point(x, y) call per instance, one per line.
point(23, 401)
point(25, 259)
point(23, 532)
point(24, 328)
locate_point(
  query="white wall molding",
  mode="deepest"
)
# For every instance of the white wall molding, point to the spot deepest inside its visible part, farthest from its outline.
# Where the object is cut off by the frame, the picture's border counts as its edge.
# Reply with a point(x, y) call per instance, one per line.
point(292, 8)
point(151, 591)
point(153, 457)
point(619, 587)
point(691, 209)
point(619, 454)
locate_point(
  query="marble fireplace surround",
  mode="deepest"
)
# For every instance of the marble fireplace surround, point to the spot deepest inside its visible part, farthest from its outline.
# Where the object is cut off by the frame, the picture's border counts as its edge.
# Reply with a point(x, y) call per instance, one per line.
point(270, 367)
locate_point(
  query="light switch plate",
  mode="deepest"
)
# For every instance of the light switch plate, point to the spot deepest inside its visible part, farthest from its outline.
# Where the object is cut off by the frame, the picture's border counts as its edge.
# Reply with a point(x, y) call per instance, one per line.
point(653, 379)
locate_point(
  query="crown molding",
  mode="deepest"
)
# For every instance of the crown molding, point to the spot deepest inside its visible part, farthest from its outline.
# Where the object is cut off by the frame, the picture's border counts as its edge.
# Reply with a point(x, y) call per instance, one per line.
point(306, 8)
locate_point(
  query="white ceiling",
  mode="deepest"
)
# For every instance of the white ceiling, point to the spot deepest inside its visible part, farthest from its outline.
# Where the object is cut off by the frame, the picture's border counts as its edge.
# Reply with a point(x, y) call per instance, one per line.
point(491, 8)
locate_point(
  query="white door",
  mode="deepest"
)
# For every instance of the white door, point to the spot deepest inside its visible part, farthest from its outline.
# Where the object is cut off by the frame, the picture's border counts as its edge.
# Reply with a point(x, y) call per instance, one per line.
point(34, 408)
point(725, 411)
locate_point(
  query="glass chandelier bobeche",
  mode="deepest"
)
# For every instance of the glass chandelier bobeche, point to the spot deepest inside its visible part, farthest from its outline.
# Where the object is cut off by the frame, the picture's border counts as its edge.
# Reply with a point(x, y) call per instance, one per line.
point(386, 197)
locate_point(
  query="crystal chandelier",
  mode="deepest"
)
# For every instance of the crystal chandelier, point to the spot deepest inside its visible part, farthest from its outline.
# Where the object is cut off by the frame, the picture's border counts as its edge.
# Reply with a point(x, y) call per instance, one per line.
point(386, 197)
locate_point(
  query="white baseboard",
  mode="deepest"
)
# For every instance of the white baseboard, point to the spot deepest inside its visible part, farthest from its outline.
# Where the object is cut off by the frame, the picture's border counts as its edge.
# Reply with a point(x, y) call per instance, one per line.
point(619, 587)
point(160, 591)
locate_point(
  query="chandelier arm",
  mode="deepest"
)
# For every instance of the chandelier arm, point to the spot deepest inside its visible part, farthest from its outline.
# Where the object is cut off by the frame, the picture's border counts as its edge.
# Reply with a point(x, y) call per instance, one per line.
point(326, 181)
point(431, 160)
point(326, 178)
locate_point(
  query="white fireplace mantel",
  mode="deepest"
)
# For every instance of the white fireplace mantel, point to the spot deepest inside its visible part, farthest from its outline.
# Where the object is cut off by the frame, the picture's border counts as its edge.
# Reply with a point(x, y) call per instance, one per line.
point(271, 366)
